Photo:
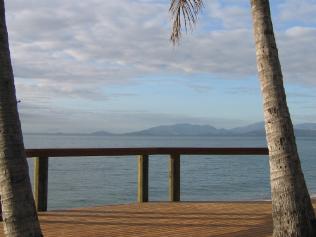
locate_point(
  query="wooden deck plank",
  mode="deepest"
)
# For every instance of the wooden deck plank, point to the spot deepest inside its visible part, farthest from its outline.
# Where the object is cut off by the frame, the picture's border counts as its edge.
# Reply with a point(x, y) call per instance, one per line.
point(203, 219)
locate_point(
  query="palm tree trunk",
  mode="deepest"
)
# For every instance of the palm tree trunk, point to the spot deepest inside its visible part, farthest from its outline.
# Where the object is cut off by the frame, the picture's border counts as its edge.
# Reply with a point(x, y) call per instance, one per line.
point(293, 214)
point(18, 209)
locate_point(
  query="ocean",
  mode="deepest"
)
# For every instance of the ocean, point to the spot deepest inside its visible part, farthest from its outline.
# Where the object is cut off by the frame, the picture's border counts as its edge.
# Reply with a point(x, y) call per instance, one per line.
point(91, 181)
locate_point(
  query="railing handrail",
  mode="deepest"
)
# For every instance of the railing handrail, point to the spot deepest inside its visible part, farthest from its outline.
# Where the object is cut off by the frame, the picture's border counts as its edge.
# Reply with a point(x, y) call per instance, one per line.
point(77, 152)
point(42, 156)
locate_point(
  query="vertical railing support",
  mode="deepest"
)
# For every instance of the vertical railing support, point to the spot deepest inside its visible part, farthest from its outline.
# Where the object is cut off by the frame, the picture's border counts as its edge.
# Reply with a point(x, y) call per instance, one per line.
point(0, 211)
point(142, 195)
point(41, 183)
point(174, 178)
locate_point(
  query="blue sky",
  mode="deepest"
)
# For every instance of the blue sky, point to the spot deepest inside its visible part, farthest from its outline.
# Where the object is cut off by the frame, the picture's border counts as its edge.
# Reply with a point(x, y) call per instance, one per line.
point(108, 65)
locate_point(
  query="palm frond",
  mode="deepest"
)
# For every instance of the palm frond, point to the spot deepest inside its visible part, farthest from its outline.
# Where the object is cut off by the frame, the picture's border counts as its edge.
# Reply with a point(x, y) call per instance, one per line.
point(186, 10)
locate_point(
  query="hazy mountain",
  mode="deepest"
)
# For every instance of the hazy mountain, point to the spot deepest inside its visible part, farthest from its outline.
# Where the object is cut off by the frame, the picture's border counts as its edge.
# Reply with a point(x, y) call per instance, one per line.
point(305, 133)
point(181, 130)
point(306, 126)
point(256, 129)
point(101, 133)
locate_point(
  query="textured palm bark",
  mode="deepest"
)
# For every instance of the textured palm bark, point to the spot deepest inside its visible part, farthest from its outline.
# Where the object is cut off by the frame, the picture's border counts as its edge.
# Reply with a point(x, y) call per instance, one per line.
point(18, 209)
point(293, 215)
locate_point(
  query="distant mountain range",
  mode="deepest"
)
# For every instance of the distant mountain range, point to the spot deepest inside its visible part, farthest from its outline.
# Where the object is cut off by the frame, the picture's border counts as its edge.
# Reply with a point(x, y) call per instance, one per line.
point(256, 129)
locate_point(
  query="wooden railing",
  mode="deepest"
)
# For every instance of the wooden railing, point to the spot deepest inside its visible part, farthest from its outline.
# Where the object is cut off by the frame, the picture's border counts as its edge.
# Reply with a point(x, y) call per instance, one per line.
point(42, 155)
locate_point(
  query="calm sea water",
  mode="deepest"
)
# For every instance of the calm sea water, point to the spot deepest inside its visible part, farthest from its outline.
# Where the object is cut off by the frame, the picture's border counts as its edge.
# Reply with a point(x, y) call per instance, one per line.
point(77, 182)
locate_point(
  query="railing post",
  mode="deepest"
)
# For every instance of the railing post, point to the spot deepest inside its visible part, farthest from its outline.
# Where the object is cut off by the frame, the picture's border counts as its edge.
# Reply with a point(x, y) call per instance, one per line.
point(174, 178)
point(142, 195)
point(41, 183)
point(0, 211)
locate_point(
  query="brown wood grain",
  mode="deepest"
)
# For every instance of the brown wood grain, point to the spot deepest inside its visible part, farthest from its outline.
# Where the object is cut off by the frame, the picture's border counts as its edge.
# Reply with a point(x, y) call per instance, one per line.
point(157, 219)
point(77, 152)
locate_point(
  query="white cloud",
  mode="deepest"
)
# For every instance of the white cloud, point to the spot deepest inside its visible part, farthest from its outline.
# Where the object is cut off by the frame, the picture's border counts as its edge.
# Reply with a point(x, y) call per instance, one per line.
point(302, 11)
point(297, 53)
point(70, 49)
point(106, 42)
point(231, 14)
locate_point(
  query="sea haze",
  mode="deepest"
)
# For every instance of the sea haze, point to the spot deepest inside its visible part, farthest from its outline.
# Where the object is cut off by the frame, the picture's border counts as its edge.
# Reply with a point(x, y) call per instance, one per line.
point(185, 129)
point(88, 181)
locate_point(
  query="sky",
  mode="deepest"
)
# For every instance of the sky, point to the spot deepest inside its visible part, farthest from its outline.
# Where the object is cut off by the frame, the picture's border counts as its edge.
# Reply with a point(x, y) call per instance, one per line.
point(84, 66)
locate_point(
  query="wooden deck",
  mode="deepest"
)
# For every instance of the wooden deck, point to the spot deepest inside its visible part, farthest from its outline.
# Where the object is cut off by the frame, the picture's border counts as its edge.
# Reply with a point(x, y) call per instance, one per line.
point(161, 219)
point(164, 219)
